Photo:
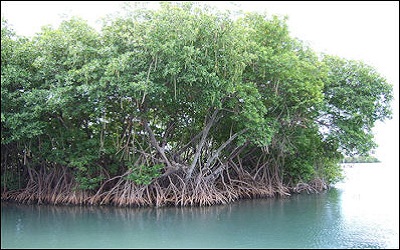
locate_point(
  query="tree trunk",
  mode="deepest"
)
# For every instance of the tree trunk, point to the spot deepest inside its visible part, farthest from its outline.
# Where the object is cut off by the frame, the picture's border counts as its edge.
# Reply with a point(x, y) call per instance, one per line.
point(201, 144)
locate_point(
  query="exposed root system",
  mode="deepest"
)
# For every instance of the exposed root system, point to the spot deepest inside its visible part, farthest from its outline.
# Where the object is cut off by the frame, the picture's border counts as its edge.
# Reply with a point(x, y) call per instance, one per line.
point(58, 187)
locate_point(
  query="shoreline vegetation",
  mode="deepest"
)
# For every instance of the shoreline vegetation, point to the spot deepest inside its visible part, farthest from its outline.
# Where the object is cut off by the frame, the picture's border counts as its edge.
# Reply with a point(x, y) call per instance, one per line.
point(183, 105)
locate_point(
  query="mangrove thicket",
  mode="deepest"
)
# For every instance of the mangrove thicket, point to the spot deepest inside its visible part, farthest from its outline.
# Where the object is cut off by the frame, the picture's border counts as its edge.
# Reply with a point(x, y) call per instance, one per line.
point(180, 105)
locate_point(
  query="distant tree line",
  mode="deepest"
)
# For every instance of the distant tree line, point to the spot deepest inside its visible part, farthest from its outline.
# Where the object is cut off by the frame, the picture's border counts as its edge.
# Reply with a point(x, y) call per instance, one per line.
point(361, 159)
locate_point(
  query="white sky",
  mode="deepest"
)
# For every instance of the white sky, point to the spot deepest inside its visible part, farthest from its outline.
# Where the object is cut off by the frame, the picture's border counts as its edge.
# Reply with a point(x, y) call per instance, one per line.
point(360, 30)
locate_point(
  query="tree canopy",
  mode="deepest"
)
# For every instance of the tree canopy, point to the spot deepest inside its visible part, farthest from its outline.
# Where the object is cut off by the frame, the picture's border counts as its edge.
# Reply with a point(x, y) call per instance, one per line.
point(180, 105)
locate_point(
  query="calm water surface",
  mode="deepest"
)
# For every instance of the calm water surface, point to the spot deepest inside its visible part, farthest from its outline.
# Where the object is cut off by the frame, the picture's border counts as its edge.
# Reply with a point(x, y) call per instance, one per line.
point(361, 212)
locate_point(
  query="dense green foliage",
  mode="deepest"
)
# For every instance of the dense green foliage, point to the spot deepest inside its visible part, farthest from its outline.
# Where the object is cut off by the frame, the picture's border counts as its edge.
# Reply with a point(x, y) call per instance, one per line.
point(177, 101)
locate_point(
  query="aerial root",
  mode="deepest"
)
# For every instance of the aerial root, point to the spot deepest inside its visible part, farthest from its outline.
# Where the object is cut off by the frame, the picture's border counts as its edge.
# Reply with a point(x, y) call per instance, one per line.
point(59, 188)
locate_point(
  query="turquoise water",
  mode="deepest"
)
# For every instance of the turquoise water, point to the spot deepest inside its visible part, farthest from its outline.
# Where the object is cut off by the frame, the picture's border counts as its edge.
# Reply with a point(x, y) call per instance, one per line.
point(361, 212)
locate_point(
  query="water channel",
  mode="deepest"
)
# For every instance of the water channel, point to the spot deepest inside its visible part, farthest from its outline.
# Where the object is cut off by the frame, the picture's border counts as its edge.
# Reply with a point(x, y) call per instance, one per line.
point(360, 212)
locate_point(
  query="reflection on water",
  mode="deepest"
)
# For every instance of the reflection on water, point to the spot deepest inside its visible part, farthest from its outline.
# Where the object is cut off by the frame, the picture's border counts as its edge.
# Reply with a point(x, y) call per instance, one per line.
point(356, 214)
